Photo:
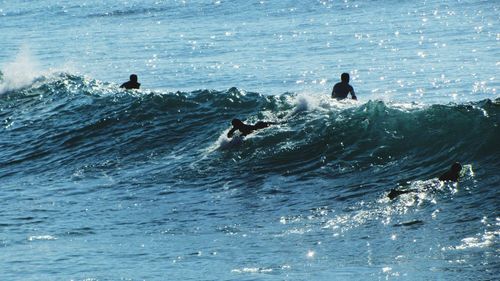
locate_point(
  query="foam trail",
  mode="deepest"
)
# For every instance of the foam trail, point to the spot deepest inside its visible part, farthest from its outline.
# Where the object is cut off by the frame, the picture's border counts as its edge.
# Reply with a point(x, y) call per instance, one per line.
point(19, 73)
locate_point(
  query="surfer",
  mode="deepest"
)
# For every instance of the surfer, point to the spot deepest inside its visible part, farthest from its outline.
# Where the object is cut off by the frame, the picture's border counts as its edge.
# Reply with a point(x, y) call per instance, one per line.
point(453, 174)
point(132, 83)
point(343, 88)
point(246, 129)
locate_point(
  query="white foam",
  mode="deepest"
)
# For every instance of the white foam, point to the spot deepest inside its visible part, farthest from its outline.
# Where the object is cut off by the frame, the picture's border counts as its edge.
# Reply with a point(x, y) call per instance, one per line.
point(226, 143)
point(252, 270)
point(41, 237)
point(311, 102)
point(19, 73)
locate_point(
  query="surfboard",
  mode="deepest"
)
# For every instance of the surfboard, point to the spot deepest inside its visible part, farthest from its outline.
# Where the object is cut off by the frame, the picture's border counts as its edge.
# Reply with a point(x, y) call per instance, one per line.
point(233, 142)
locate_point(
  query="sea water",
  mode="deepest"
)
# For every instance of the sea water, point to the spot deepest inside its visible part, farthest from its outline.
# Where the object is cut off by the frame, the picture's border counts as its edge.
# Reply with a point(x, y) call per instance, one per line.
point(101, 183)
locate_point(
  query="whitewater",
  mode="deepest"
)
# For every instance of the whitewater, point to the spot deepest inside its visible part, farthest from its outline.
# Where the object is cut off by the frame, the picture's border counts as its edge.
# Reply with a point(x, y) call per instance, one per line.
point(102, 183)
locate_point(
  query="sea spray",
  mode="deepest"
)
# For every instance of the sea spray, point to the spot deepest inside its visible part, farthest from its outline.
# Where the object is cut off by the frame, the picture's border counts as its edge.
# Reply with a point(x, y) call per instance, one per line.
point(19, 73)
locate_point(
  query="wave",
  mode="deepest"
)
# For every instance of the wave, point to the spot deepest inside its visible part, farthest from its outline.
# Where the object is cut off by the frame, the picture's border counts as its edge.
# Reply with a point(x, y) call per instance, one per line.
point(192, 10)
point(69, 121)
point(130, 11)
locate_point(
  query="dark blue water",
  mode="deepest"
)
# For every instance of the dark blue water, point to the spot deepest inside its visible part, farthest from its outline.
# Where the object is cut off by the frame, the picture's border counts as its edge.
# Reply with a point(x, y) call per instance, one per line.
point(101, 183)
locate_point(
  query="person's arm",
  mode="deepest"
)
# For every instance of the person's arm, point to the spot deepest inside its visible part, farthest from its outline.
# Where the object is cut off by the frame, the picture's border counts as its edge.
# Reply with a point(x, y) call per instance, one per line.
point(231, 132)
point(333, 92)
point(353, 95)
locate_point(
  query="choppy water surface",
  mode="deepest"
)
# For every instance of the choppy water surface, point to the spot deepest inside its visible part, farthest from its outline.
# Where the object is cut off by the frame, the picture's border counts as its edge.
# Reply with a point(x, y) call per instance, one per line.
point(99, 183)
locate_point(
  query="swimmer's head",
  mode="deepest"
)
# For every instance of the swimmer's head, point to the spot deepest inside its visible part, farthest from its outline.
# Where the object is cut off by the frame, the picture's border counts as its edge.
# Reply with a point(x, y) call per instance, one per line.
point(456, 167)
point(236, 123)
point(133, 77)
point(344, 77)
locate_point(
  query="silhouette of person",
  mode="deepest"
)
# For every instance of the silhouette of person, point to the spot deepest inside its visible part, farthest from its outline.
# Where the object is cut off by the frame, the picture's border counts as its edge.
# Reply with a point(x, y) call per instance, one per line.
point(246, 129)
point(343, 88)
point(453, 174)
point(132, 83)
point(395, 193)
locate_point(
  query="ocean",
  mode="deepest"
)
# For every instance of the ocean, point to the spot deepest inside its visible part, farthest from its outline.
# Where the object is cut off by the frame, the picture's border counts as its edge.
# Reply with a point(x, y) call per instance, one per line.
point(102, 183)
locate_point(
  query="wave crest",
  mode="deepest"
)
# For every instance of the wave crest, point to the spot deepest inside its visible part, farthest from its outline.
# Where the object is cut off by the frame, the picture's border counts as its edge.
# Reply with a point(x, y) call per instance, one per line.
point(66, 118)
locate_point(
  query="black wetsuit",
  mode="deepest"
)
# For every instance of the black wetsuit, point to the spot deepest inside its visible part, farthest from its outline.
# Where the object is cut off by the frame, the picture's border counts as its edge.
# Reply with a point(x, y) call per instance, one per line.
point(248, 129)
point(450, 175)
point(341, 90)
point(131, 85)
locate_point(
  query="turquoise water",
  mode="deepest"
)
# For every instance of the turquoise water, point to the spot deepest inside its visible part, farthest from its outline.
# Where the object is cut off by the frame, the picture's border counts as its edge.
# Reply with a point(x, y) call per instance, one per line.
point(99, 183)
point(435, 51)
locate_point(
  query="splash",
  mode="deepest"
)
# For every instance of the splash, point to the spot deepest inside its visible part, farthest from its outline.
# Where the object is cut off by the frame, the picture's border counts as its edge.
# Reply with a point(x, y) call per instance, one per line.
point(19, 73)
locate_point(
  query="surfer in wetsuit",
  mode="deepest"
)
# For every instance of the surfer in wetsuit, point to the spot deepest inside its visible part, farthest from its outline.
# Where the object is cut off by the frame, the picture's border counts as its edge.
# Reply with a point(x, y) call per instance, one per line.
point(246, 129)
point(132, 83)
point(453, 174)
point(343, 88)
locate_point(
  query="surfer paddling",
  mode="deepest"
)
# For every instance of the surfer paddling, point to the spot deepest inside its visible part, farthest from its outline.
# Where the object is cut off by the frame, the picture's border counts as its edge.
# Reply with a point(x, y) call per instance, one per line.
point(343, 88)
point(246, 129)
point(453, 174)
